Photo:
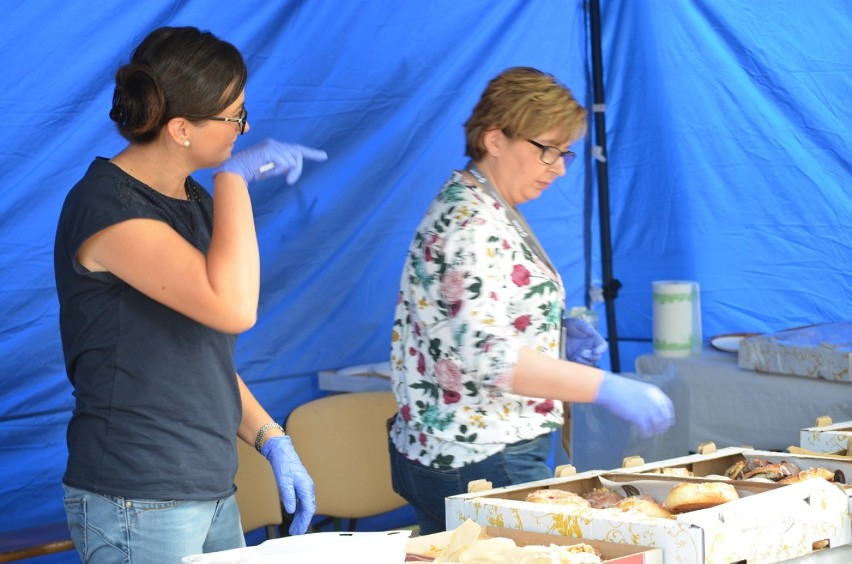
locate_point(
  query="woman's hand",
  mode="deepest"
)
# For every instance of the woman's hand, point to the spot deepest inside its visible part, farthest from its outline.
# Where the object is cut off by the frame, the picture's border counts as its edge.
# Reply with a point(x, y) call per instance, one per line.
point(644, 405)
point(582, 343)
point(270, 158)
point(294, 484)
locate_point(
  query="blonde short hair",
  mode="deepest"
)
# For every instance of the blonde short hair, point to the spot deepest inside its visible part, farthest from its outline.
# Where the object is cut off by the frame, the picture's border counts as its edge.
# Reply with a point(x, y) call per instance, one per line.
point(524, 102)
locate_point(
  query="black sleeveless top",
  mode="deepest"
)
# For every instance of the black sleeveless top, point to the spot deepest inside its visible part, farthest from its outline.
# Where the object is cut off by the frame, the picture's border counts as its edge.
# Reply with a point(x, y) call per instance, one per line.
point(157, 402)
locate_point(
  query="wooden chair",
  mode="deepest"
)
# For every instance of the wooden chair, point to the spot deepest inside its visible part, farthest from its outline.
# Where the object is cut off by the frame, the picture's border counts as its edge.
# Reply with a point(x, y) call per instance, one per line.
point(34, 541)
point(257, 492)
point(342, 441)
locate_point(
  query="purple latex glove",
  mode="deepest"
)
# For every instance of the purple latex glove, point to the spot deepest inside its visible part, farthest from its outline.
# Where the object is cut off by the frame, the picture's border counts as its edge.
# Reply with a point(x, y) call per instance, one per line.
point(294, 484)
point(270, 158)
point(644, 405)
point(582, 343)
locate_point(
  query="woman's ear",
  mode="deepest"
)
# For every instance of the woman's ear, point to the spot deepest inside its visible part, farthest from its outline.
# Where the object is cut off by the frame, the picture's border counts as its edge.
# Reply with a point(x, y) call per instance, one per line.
point(494, 141)
point(178, 129)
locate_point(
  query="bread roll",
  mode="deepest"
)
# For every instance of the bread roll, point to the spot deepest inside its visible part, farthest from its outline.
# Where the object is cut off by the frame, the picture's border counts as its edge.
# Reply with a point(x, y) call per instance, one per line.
point(689, 497)
point(645, 506)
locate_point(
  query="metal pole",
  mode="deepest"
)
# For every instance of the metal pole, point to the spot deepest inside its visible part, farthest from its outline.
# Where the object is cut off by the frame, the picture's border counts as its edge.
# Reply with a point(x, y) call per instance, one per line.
point(610, 284)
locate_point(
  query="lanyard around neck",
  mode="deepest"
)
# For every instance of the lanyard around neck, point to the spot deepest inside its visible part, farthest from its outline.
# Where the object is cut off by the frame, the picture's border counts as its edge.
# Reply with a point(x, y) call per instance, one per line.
point(513, 215)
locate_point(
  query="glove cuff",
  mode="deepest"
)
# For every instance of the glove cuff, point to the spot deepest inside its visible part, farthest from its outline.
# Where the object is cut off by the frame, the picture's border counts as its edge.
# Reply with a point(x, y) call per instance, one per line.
point(605, 389)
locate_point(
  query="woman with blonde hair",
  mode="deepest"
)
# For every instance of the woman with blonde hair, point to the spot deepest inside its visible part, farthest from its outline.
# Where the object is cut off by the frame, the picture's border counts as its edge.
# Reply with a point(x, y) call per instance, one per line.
point(479, 354)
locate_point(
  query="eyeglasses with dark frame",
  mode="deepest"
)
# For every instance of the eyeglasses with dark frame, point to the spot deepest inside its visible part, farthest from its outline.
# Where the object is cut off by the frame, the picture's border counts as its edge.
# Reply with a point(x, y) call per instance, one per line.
point(240, 120)
point(549, 153)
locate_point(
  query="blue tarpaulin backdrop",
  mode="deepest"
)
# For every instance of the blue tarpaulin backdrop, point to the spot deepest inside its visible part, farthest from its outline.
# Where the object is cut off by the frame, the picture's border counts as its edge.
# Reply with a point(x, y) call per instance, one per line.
point(728, 130)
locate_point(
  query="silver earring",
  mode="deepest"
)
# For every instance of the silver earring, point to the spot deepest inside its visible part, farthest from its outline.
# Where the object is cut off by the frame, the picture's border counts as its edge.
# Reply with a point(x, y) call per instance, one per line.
point(186, 142)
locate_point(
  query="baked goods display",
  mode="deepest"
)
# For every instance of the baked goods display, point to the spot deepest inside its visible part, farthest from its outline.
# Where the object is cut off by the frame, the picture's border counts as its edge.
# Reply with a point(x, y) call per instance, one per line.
point(684, 496)
point(783, 472)
point(557, 496)
point(688, 496)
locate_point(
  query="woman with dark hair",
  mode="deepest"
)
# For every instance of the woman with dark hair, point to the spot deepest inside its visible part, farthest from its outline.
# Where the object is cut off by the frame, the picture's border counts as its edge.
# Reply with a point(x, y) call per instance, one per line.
point(478, 353)
point(155, 278)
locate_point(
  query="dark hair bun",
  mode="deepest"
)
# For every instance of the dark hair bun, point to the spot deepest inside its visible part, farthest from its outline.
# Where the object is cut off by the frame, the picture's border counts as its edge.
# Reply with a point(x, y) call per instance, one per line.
point(138, 103)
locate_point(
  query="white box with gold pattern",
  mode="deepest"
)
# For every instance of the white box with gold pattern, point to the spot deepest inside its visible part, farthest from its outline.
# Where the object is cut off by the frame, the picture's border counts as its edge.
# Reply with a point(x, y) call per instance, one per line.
point(827, 437)
point(773, 524)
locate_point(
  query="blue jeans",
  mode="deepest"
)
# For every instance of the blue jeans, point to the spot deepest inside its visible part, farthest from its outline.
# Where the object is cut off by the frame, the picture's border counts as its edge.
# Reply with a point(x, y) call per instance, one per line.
point(425, 488)
point(109, 529)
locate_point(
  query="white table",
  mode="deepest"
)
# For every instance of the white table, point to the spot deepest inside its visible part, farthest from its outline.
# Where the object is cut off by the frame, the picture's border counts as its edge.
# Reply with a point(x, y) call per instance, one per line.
point(731, 406)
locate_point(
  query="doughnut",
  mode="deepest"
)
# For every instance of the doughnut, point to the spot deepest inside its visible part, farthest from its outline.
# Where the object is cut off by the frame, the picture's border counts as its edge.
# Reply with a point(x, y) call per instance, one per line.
point(601, 498)
point(689, 497)
point(557, 496)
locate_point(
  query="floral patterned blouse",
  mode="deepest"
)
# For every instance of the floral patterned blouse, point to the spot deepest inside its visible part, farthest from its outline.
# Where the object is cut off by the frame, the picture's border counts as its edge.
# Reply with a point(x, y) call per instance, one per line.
point(472, 294)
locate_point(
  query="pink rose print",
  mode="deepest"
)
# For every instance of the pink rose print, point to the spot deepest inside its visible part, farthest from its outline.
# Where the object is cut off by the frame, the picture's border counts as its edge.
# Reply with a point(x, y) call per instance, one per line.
point(405, 411)
point(452, 286)
point(493, 296)
point(544, 407)
point(522, 322)
point(422, 439)
point(421, 364)
point(506, 244)
point(451, 397)
point(448, 375)
point(520, 275)
point(412, 351)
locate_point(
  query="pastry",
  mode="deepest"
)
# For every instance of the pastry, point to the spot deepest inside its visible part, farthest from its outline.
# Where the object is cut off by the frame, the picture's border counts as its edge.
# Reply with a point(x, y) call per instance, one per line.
point(691, 496)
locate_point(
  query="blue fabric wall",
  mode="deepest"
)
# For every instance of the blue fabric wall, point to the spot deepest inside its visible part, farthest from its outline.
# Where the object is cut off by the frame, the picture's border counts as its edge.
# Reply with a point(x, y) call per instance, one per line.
point(730, 135)
point(728, 143)
point(383, 86)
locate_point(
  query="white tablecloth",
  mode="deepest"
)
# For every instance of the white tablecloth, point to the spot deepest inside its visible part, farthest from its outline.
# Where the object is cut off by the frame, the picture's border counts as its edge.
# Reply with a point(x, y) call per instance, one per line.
point(732, 407)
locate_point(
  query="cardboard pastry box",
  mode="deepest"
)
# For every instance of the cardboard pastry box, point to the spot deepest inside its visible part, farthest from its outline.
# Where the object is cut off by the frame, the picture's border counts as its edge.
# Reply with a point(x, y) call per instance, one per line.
point(828, 438)
point(769, 523)
point(714, 464)
point(817, 351)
